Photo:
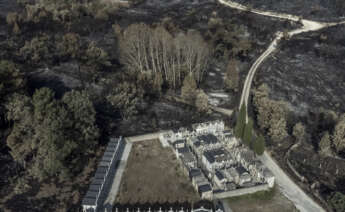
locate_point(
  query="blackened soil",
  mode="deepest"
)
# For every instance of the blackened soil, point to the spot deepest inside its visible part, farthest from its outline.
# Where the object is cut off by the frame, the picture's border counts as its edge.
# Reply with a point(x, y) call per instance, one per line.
point(319, 10)
point(308, 71)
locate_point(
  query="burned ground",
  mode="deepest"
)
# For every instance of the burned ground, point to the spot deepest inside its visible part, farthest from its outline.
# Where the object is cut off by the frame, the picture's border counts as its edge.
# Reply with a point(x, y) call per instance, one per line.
point(321, 10)
point(307, 71)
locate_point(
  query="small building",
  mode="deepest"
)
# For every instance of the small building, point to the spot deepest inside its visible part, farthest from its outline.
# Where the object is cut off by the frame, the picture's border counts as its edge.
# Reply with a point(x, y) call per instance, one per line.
point(179, 144)
point(246, 157)
point(193, 172)
point(215, 159)
point(209, 127)
point(232, 174)
point(188, 159)
point(244, 178)
point(205, 191)
point(181, 151)
point(219, 180)
point(89, 204)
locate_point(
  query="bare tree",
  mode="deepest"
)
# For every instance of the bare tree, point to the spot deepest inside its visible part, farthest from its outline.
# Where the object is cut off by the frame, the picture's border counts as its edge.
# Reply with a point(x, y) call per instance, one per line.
point(144, 49)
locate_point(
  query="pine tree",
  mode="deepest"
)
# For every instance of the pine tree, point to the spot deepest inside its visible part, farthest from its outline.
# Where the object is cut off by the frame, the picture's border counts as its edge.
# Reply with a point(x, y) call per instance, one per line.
point(241, 121)
point(248, 133)
point(259, 145)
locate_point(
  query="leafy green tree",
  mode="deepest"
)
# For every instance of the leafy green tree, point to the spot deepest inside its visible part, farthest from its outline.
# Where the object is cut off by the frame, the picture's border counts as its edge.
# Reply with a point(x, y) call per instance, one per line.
point(95, 56)
point(271, 115)
point(20, 112)
point(43, 101)
point(240, 122)
point(248, 133)
point(259, 145)
point(11, 80)
point(55, 141)
point(188, 90)
point(83, 115)
point(125, 98)
point(37, 49)
point(51, 135)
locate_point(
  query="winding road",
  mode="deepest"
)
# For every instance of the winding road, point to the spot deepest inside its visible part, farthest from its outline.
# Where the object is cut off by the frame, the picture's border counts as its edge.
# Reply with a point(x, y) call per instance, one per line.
point(292, 191)
point(307, 25)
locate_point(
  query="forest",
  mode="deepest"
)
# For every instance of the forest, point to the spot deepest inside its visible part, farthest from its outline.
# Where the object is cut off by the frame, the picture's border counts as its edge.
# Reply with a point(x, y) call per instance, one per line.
point(74, 73)
point(52, 135)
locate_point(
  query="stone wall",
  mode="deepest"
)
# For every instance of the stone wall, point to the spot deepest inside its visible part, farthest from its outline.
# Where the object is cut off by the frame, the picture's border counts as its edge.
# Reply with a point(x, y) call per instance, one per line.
point(241, 191)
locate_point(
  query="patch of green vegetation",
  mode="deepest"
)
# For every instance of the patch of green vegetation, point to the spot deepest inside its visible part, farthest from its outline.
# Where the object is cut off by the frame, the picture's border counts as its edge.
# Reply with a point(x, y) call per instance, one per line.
point(257, 196)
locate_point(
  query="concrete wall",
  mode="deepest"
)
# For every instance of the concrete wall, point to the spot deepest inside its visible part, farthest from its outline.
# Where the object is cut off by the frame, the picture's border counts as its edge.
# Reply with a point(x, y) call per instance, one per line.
point(241, 191)
point(144, 137)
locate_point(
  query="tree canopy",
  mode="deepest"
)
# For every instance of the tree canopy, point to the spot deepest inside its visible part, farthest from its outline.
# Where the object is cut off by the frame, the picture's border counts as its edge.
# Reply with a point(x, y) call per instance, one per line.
point(248, 133)
point(240, 122)
point(47, 132)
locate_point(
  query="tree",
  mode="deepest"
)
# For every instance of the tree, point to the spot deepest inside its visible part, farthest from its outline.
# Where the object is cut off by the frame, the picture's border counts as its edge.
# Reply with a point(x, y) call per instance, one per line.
point(277, 130)
point(16, 29)
point(37, 49)
point(188, 90)
point(259, 145)
point(240, 122)
point(20, 112)
point(339, 135)
point(43, 101)
point(70, 45)
point(154, 50)
point(83, 116)
point(201, 101)
point(46, 131)
point(337, 201)
point(325, 144)
point(271, 114)
point(248, 133)
point(299, 131)
point(232, 75)
point(157, 84)
point(11, 79)
point(125, 98)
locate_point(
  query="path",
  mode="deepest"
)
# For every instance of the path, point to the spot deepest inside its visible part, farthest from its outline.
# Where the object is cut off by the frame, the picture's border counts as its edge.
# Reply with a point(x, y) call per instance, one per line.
point(288, 187)
point(293, 192)
point(308, 25)
point(225, 111)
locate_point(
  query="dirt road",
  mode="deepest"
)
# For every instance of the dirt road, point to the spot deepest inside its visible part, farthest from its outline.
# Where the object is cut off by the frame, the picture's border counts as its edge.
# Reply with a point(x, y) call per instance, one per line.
point(302, 201)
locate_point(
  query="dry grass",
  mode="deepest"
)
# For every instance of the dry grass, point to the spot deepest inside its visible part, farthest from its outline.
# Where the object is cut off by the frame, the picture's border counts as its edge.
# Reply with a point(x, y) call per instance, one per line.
point(153, 174)
point(272, 201)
